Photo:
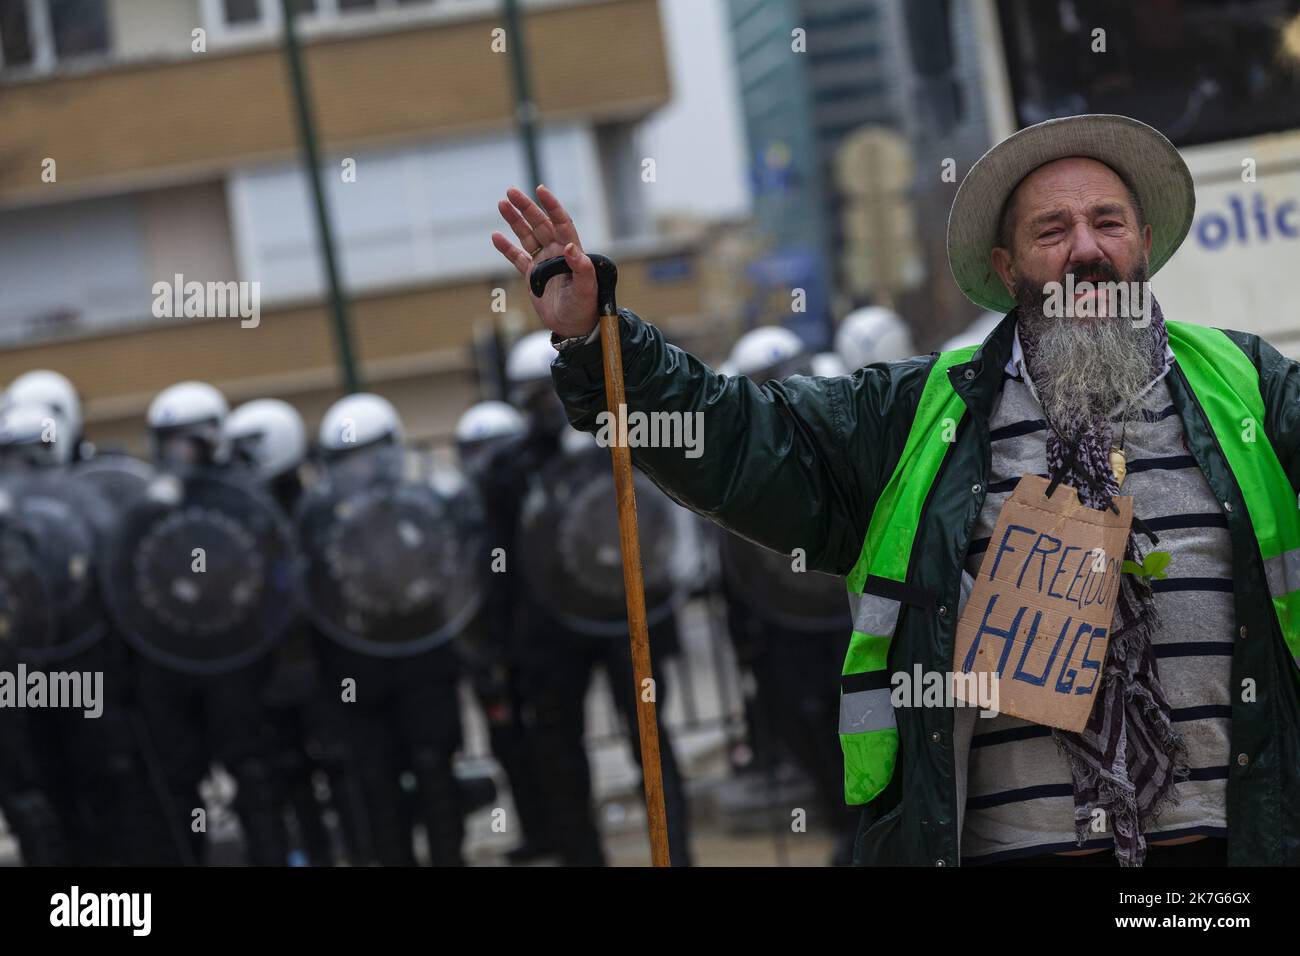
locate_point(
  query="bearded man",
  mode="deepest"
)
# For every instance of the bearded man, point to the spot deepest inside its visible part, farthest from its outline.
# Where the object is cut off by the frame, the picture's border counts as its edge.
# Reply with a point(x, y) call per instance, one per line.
point(895, 475)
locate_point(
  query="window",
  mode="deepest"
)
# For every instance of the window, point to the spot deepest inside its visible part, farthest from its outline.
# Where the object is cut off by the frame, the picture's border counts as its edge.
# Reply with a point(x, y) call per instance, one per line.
point(1200, 71)
point(78, 27)
point(15, 36)
point(243, 22)
point(37, 34)
point(265, 14)
point(242, 11)
point(398, 224)
point(236, 13)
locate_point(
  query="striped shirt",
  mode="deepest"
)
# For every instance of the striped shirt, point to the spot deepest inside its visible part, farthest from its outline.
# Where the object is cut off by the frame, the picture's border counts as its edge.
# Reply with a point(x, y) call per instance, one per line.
point(1019, 797)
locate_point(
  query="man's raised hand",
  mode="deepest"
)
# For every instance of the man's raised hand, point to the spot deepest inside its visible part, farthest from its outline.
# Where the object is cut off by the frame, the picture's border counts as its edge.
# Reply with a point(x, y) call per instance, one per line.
point(568, 306)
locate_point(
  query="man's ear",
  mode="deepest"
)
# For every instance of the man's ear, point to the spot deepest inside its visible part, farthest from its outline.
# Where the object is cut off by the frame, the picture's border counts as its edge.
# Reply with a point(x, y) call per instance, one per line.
point(1001, 260)
point(1146, 239)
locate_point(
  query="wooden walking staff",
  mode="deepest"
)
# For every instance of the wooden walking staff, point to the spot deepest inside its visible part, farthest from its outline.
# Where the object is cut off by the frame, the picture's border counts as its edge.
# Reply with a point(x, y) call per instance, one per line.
point(648, 727)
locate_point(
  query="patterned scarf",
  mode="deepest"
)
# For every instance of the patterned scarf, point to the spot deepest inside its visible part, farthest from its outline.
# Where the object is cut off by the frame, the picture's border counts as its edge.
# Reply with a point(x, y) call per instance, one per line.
point(1126, 760)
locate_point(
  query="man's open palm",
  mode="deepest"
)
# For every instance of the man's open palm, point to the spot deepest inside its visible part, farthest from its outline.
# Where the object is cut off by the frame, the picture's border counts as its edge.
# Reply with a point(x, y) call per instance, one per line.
point(568, 307)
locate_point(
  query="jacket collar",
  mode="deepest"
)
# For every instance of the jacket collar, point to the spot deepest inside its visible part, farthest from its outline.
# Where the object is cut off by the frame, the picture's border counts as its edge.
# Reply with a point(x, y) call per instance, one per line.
point(979, 380)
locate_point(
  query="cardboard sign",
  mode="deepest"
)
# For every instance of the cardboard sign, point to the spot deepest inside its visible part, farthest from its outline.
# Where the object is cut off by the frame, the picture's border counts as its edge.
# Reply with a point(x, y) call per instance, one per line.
point(1038, 621)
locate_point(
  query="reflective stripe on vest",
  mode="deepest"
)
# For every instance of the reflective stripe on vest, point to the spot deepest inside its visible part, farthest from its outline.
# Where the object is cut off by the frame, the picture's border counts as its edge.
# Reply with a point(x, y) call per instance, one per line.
point(1226, 384)
point(868, 734)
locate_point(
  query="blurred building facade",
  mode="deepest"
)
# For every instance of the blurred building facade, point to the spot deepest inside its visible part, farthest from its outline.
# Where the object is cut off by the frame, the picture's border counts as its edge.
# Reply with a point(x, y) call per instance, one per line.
point(151, 141)
point(808, 71)
point(863, 116)
point(850, 108)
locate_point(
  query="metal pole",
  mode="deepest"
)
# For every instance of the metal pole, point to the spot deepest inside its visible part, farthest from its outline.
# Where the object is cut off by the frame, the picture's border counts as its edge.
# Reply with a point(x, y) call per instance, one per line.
point(525, 108)
point(311, 162)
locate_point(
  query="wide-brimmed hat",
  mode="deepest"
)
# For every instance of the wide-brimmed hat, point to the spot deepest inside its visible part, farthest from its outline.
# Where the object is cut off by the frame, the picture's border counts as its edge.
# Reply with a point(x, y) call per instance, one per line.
point(1141, 155)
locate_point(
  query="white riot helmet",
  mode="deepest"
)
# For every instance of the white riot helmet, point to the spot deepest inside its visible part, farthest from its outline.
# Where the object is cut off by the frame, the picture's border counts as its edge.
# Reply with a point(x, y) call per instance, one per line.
point(45, 387)
point(530, 359)
point(484, 431)
point(528, 376)
point(765, 348)
point(828, 365)
point(361, 441)
point(185, 425)
point(873, 334)
point(488, 420)
point(33, 435)
point(358, 420)
point(267, 435)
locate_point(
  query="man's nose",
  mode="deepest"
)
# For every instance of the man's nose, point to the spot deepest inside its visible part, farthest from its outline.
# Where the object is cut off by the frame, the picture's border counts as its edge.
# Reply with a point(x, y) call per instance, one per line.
point(1084, 250)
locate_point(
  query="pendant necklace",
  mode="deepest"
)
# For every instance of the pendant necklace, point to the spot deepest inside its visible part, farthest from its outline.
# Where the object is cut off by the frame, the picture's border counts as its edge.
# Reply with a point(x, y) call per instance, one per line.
point(1119, 460)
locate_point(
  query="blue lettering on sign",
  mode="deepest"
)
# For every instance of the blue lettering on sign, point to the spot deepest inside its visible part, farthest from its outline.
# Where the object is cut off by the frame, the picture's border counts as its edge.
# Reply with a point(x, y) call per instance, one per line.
point(1088, 663)
point(1065, 682)
point(1004, 547)
point(1008, 637)
point(1042, 563)
point(1089, 585)
point(1040, 679)
point(1060, 569)
point(1246, 220)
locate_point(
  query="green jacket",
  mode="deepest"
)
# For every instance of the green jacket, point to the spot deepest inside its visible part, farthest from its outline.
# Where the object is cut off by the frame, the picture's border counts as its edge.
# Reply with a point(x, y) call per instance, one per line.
point(800, 463)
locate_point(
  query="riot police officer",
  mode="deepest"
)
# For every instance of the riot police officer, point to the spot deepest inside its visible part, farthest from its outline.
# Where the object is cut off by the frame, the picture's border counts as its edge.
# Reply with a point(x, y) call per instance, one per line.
point(488, 436)
point(555, 662)
point(96, 769)
point(268, 439)
point(26, 614)
point(395, 698)
point(196, 717)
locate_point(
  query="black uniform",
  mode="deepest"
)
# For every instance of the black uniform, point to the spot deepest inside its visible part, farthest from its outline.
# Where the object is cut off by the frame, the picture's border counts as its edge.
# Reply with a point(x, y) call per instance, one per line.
point(24, 790)
point(395, 719)
point(405, 719)
point(307, 737)
point(94, 772)
point(554, 675)
point(492, 652)
point(107, 793)
point(24, 797)
point(193, 720)
point(552, 668)
point(305, 744)
point(196, 720)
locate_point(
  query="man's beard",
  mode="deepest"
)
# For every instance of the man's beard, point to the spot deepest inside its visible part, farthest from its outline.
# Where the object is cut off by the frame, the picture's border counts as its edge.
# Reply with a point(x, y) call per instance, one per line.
point(1083, 367)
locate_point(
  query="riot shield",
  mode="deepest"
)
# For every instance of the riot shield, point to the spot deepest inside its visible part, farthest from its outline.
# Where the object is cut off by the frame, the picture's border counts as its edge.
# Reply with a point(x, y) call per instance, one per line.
point(571, 554)
point(393, 568)
point(778, 590)
point(201, 574)
point(28, 624)
point(120, 477)
point(64, 524)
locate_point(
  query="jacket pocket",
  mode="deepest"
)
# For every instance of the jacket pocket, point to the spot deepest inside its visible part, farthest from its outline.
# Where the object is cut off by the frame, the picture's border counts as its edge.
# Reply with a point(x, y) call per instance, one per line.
point(877, 842)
